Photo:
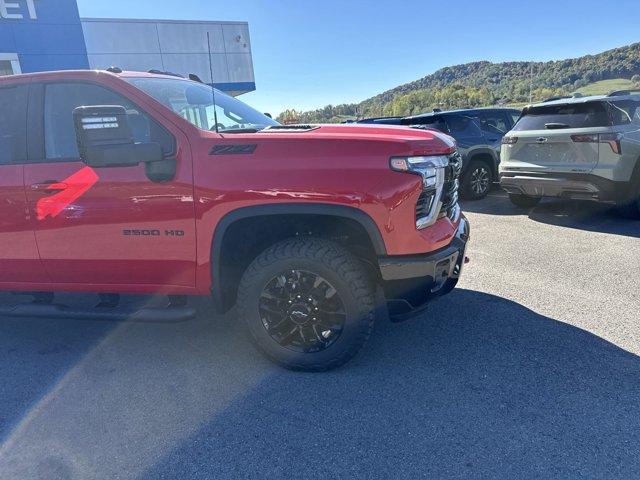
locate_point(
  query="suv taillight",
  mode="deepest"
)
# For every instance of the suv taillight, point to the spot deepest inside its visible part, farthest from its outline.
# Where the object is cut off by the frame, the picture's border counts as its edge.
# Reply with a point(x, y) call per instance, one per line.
point(509, 140)
point(613, 139)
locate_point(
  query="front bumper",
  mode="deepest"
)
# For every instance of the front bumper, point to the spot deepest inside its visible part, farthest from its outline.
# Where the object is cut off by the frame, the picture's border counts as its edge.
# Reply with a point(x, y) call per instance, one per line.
point(570, 186)
point(411, 281)
point(438, 265)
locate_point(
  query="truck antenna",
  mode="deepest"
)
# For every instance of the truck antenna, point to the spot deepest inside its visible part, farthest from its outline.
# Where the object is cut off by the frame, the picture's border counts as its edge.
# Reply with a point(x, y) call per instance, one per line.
point(213, 90)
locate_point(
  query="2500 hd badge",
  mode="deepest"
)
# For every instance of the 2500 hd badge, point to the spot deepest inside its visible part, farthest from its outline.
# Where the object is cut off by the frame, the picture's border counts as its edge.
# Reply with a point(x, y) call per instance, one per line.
point(152, 233)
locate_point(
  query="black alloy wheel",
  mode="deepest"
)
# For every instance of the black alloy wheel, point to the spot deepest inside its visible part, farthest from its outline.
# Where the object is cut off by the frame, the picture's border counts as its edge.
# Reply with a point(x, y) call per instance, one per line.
point(308, 303)
point(480, 179)
point(302, 311)
point(477, 180)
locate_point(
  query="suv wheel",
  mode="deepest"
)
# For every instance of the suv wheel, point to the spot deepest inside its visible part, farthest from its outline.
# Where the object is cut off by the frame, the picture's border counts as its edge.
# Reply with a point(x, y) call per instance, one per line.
point(524, 201)
point(308, 304)
point(477, 181)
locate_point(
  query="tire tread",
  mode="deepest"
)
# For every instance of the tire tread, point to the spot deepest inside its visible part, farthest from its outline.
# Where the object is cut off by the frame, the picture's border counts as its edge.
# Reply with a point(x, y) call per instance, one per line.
point(337, 259)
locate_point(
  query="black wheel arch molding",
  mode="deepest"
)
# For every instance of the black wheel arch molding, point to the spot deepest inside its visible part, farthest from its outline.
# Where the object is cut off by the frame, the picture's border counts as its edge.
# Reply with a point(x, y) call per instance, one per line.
point(262, 210)
point(482, 152)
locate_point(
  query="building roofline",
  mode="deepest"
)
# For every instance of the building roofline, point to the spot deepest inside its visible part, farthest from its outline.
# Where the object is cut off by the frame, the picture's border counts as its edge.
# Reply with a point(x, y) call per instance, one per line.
point(151, 20)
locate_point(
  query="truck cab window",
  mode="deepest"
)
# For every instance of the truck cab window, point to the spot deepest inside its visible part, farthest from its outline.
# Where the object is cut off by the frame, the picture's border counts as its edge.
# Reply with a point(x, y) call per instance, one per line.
point(13, 105)
point(59, 132)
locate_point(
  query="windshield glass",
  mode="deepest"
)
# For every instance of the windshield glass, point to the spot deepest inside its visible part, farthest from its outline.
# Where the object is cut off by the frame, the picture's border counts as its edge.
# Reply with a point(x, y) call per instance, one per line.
point(580, 115)
point(194, 102)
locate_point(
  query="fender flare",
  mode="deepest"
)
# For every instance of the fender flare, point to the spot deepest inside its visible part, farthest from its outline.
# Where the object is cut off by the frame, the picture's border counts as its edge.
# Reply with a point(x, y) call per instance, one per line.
point(482, 151)
point(330, 210)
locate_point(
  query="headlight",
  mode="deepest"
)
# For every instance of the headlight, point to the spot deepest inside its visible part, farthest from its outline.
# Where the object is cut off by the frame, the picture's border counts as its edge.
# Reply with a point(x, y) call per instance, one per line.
point(429, 168)
point(432, 170)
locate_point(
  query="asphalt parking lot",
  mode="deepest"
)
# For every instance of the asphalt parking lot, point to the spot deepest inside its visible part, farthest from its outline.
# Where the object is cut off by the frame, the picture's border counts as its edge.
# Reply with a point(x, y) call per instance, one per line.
point(530, 369)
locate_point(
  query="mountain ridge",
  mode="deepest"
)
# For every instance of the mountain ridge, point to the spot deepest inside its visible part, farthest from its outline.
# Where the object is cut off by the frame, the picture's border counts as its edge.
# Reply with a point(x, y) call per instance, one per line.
point(483, 82)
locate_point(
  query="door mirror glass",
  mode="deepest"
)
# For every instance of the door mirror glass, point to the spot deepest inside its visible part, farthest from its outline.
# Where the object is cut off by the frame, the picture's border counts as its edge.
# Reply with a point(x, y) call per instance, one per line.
point(105, 138)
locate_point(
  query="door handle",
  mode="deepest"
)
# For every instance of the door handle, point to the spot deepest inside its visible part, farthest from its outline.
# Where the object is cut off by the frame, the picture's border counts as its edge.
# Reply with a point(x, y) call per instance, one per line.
point(49, 186)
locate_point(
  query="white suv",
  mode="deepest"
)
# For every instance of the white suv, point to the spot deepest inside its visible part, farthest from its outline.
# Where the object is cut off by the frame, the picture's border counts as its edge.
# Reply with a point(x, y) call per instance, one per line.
point(585, 148)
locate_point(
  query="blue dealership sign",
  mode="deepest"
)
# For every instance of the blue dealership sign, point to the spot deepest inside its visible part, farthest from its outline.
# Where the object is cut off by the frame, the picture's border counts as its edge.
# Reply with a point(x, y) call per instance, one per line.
point(42, 34)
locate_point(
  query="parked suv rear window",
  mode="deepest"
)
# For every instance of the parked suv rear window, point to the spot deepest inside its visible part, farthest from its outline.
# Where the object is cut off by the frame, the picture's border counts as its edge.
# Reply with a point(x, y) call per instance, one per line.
point(430, 122)
point(581, 115)
point(624, 112)
point(463, 126)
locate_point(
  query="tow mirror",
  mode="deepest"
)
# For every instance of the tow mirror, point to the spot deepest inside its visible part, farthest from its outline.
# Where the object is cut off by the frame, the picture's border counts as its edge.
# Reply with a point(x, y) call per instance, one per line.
point(105, 139)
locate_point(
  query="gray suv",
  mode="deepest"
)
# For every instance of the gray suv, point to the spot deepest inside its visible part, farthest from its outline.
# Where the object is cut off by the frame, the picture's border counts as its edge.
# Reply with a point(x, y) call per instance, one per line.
point(585, 148)
point(478, 133)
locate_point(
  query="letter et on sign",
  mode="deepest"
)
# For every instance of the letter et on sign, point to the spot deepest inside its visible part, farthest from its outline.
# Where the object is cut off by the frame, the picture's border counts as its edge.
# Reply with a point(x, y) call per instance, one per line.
point(14, 10)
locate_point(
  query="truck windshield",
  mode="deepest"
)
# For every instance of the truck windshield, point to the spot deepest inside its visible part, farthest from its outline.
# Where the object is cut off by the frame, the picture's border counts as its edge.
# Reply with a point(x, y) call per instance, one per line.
point(194, 102)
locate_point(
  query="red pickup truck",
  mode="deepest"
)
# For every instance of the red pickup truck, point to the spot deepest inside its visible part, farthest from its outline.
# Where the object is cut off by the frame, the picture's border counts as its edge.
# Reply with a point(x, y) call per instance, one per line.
point(132, 183)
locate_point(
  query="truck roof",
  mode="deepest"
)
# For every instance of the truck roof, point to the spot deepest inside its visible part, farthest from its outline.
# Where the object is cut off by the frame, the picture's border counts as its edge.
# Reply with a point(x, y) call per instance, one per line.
point(79, 74)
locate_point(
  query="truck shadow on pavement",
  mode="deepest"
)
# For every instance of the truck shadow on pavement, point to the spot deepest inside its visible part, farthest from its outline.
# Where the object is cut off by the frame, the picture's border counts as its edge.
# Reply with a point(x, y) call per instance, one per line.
point(570, 214)
point(481, 387)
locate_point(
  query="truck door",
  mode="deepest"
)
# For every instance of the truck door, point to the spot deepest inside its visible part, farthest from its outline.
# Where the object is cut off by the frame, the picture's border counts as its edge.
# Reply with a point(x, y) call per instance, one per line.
point(107, 226)
point(19, 260)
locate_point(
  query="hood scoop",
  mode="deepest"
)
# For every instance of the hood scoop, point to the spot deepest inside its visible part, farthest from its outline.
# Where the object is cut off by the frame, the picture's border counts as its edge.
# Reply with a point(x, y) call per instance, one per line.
point(290, 128)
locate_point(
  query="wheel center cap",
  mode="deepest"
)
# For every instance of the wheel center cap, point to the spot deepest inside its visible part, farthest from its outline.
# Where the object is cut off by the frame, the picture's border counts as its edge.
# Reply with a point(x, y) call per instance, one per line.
point(299, 313)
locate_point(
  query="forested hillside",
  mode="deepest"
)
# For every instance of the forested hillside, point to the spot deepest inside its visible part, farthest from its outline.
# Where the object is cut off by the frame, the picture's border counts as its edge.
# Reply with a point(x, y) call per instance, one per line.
point(485, 83)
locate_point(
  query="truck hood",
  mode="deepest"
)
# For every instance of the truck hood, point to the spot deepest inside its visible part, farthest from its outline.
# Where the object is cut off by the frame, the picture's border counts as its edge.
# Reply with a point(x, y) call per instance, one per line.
point(422, 142)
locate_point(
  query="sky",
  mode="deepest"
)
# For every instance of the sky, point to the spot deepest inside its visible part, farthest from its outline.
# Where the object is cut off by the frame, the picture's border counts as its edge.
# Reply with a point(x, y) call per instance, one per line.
point(310, 54)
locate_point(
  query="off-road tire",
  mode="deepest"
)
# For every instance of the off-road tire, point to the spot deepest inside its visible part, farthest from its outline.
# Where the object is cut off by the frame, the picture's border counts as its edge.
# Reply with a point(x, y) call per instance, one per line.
point(481, 169)
point(334, 263)
point(524, 201)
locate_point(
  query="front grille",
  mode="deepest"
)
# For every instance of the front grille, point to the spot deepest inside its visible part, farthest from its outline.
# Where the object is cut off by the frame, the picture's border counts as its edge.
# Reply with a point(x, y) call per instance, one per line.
point(447, 196)
point(423, 207)
point(451, 186)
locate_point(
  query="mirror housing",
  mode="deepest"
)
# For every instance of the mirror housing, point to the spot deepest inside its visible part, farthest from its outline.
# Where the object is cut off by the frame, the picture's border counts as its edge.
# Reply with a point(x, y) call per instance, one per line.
point(105, 139)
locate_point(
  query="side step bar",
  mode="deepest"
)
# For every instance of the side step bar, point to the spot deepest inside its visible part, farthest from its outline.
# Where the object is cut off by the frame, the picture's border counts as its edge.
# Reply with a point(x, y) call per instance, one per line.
point(55, 311)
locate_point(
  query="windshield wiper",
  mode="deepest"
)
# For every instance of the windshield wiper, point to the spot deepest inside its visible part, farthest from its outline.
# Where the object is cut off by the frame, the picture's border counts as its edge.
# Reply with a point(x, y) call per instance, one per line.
point(556, 126)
